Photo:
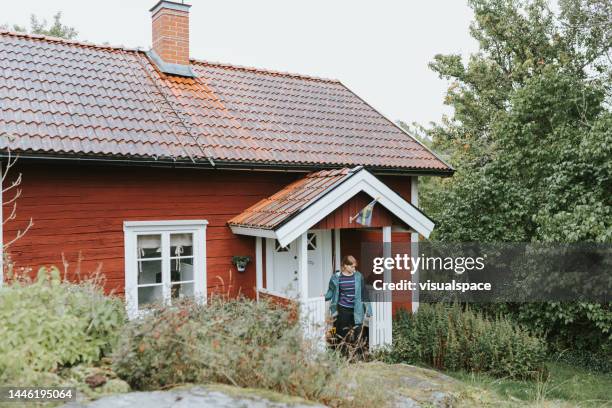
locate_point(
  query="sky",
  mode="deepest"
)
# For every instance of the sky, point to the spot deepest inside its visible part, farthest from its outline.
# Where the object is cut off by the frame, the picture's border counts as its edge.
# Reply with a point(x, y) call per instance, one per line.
point(379, 49)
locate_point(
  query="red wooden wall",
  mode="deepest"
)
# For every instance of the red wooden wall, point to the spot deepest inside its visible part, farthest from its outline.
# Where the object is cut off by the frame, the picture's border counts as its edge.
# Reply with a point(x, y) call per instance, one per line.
point(380, 216)
point(365, 244)
point(79, 210)
point(360, 241)
point(341, 216)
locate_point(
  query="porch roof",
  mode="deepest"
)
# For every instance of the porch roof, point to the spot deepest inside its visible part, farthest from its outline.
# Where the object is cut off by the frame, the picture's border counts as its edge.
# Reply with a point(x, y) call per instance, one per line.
point(300, 205)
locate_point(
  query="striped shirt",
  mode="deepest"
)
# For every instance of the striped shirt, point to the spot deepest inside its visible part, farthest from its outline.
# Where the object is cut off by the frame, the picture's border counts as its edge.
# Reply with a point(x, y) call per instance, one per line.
point(347, 291)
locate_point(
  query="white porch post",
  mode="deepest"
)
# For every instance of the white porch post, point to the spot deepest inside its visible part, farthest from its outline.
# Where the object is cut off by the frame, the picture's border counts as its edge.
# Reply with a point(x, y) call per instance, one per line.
point(386, 232)
point(312, 310)
point(302, 258)
point(380, 323)
point(258, 266)
point(386, 305)
point(337, 255)
point(414, 241)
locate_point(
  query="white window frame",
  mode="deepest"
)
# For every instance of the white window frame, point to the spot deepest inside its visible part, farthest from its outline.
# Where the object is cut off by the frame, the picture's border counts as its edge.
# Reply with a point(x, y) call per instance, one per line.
point(131, 231)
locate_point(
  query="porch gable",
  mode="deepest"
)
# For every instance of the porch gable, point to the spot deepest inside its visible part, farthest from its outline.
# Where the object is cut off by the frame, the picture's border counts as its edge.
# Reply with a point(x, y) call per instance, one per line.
point(299, 206)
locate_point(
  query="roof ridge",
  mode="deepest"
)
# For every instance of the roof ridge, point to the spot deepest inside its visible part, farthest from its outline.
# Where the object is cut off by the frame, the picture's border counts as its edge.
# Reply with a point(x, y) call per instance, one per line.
point(264, 71)
point(67, 41)
point(194, 60)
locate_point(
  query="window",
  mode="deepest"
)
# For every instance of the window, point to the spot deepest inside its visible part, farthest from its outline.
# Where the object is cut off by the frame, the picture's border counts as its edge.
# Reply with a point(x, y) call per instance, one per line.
point(279, 248)
point(164, 261)
point(312, 241)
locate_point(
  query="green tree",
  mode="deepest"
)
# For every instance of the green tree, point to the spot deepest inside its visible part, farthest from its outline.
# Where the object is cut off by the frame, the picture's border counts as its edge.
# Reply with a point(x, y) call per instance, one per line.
point(41, 26)
point(530, 138)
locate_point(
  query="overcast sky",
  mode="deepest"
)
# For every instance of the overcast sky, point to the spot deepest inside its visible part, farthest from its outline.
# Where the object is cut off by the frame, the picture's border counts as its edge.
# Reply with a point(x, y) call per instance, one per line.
point(379, 49)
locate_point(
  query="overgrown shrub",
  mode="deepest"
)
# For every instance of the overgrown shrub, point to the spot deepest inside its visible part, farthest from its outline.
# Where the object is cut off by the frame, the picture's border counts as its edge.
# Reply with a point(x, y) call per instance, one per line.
point(48, 323)
point(569, 325)
point(450, 337)
point(579, 326)
point(598, 363)
point(239, 342)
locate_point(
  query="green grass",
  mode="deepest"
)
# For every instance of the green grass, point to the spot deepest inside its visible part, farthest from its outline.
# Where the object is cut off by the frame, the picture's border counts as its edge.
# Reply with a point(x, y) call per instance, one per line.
point(572, 385)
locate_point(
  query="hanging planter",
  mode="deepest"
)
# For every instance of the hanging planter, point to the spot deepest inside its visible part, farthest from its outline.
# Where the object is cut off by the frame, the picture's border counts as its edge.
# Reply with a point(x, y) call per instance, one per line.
point(241, 262)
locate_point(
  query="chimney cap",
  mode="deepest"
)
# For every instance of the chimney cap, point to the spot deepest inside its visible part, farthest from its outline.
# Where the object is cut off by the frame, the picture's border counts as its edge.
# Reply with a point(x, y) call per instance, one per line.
point(170, 5)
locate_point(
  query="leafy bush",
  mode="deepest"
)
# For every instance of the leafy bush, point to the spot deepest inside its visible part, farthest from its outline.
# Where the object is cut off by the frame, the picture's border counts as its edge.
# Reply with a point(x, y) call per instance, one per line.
point(49, 323)
point(593, 362)
point(451, 338)
point(569, 325)
point(239, 342)
point(585, 328)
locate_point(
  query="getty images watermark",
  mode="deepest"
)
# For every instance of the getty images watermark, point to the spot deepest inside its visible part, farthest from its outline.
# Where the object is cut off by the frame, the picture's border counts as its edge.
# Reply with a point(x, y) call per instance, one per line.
point(412, 264)
point(486, 272)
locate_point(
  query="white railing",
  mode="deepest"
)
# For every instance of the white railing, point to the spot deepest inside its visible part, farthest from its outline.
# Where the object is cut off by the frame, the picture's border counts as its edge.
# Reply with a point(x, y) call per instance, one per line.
point(380, 323)
point(312, 315)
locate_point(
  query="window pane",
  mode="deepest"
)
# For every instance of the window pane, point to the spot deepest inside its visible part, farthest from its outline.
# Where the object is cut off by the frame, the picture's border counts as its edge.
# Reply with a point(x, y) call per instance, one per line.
point(149, 272)
point(181, 269)
point(149, 295)
point(280, 248)
point(312, 241)
point(149, 246)
point(181, 290)
point(181, 244)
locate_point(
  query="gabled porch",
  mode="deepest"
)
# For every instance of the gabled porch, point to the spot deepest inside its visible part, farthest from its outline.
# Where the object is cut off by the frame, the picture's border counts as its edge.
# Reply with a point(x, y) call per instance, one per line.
point(302, 231)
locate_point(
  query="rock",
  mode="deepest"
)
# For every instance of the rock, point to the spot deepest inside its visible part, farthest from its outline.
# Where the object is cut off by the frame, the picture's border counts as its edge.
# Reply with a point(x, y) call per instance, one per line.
point(95, 381)
point(373, 384)
point(198, 396)
point(405, 402)
point(442, 399)
point(408, 386)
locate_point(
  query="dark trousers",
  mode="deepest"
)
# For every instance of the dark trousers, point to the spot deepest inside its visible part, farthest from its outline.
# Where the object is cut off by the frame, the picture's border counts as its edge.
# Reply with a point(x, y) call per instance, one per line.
point(347, 333)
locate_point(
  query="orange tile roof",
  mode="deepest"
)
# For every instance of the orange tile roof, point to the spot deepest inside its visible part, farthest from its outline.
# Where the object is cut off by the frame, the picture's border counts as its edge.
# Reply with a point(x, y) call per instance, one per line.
point(65, 97)
point(270, 213)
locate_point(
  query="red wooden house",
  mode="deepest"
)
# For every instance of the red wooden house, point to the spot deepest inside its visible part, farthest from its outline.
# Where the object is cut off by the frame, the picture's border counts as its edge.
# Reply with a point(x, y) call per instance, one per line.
point(160, 168)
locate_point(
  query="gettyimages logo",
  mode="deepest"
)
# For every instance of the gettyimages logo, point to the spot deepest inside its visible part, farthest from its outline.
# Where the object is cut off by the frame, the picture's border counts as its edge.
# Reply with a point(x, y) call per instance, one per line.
point(489, 272)
point(405, 262)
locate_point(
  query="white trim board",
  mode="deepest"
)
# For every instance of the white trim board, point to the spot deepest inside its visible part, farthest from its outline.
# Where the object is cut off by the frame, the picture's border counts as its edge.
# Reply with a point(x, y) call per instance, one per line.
point(414, 241)
point(255, 232)
point(161, 224)
point(360, 181)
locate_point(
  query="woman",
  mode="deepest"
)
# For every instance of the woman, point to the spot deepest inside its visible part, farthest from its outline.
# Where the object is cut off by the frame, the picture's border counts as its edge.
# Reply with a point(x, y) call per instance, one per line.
point(349, 301)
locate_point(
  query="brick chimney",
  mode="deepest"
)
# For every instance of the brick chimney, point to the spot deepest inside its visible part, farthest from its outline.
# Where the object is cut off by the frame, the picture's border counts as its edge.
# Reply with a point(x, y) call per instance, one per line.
point(170, 28)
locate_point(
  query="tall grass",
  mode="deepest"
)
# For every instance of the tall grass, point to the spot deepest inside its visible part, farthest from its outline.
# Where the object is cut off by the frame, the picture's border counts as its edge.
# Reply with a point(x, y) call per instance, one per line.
point(449, 337)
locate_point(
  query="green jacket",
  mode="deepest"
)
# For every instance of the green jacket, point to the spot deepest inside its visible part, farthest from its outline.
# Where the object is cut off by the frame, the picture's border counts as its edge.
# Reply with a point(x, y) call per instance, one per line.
point(362, 300)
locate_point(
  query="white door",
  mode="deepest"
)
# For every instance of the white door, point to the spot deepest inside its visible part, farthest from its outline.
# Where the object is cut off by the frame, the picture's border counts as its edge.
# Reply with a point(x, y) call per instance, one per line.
point(285, 268)
point(283, 261)
point(319, 261)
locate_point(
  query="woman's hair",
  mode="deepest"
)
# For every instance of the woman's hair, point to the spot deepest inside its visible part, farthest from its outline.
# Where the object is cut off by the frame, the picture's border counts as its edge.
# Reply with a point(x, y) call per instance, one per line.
point(349, 260)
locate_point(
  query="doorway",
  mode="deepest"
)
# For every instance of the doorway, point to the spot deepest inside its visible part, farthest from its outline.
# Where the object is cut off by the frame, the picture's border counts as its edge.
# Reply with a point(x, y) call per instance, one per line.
point(282, 264)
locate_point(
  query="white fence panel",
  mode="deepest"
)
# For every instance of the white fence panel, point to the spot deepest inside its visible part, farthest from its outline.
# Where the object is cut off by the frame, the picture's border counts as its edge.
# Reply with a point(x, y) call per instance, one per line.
point(312, 311)
point(380, 330)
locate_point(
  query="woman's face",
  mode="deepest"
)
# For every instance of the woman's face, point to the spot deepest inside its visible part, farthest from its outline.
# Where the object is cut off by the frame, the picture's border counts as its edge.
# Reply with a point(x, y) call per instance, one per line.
point(350, 267)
